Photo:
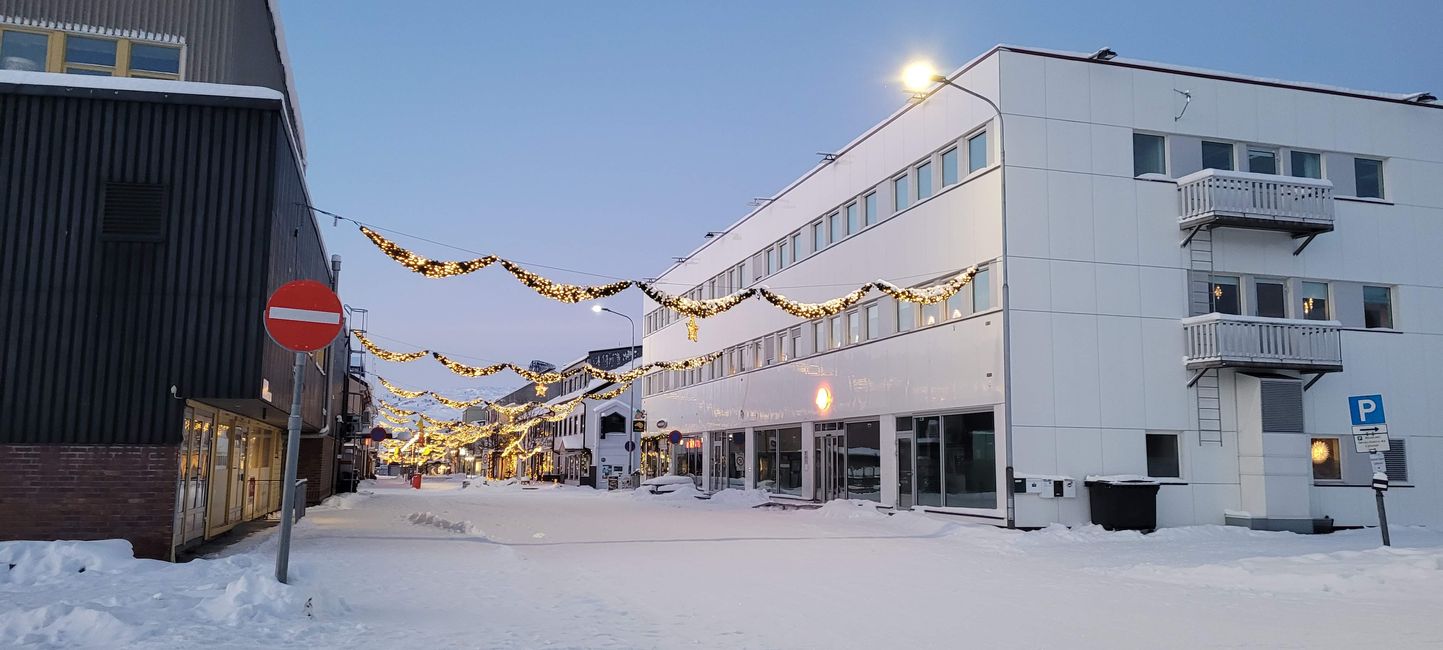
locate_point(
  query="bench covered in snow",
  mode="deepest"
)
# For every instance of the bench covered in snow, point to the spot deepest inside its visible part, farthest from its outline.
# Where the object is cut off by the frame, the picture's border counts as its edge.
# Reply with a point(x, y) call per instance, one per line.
point(665, 484)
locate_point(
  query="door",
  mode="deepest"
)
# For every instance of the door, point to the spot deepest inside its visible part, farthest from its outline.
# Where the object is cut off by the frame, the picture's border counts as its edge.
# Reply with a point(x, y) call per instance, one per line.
point(831, 467)
point(220, 479)
point(905, 497)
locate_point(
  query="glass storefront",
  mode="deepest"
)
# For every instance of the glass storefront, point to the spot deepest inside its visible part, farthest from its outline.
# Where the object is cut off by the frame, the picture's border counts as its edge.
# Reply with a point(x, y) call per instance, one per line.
point(864, 461)
point(954, 464)
point(779, 460)
point(688, 458)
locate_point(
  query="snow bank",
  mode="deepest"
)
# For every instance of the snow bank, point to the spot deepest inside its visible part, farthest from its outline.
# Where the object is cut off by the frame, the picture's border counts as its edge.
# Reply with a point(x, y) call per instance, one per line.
point(437, 521)
point(669, 479)
point(257, 598)
point(64, 626)
point(37, 563)
point(1376, 572)
point(740, 498)
point(345, 500)
point(850, 509)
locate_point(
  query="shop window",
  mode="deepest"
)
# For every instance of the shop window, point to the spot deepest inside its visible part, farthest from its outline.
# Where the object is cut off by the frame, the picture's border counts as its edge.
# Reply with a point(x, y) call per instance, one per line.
point(765, 442)
point(1377, 307)
point(789, 461)
point(864, 461)
point(970, 469)
point(1162, 455)
point(1327, 465)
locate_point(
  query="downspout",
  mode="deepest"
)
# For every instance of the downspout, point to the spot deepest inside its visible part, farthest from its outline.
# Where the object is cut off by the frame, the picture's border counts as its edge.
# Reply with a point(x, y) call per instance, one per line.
point(330, 408)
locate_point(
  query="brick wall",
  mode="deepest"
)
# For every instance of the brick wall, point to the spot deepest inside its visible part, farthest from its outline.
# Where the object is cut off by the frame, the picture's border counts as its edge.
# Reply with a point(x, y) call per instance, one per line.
point(316, 464)
point(87, 492)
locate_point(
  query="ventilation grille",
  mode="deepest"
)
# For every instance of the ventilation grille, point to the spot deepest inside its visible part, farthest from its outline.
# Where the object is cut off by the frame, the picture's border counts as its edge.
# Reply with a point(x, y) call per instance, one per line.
point(133, 212)
point(1396, 460)
point(1282, 402)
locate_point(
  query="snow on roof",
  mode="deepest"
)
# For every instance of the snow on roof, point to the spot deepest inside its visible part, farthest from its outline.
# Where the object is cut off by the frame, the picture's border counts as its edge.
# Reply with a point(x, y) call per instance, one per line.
point(135, 84)
point(295, 100)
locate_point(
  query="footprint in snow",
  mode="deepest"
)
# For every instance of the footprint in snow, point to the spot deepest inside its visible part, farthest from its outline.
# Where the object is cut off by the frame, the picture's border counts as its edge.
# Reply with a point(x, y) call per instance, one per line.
point(538, 535)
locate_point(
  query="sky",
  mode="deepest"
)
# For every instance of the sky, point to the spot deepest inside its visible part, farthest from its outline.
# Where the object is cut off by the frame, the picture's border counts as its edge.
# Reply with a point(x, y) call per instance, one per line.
point(609, 137)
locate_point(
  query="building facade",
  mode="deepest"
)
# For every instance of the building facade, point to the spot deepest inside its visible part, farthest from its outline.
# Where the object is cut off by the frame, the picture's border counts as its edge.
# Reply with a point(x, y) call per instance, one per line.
point(145, 221)
point(1195, 270)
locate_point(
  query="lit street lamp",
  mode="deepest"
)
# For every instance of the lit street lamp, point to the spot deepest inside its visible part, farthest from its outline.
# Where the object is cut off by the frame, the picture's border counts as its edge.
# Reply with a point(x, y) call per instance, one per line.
point(630, 392)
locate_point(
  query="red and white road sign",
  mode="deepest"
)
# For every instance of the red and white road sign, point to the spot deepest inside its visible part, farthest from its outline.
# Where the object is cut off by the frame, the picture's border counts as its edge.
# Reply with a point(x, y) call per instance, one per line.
point(303, 316)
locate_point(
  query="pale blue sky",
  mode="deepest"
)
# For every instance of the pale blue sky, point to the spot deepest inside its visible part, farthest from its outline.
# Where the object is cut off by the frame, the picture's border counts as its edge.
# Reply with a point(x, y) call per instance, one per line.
point(610, 136)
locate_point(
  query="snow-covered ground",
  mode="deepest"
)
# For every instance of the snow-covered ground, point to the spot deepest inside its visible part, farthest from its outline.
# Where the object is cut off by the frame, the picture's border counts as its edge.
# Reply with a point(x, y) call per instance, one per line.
point(502, 566)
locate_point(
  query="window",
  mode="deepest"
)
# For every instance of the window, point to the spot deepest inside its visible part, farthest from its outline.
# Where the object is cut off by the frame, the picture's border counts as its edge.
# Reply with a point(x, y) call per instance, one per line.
point(869, 212)
point(874, 325)
point(1307, 164)
point(794, 346)
point(899, 194)
point(765, 444)
point(769, 353)
point(834, 227)
point(741, 276)
point(782, 353)
point(1369, 177)
point(976, 152)
point(1270, 299)
point(1315, 300)
point(819, 237)
point(1262, 161)
point(819, 337)
point(1224, 296)
point(839, 335)
point(854, 327)
point(1148, 154)
point(796, 247)
point(949, 167)
point(1327, 466)
point(924, 180)
point(1162, 458)
point(89, 55)
point(154, 61)
point(771, 263)
point(851, 218)
point(906, 316)
point(23, 50)
point(959, 304)
point(969, 460)
point(982, 291)
point(932, 314)
point(1217, 155)
point(1377, 307)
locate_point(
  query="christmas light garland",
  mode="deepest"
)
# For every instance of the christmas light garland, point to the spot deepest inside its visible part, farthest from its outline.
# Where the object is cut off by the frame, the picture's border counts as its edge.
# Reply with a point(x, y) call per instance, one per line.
point(408, 394)
point(382, 353)
point(564, 292)
point(427, 267)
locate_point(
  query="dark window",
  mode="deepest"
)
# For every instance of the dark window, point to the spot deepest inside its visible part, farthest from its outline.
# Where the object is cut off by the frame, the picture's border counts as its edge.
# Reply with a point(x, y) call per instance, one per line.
point(1377, 307)
point(154, 58)
point(1271, 299)
point(614, 423)
point(1327, 466)
point(1262, 161)
point(1369, 177)
point(1162, 458)
point(1148, 155)
point(1307, 164)
point(133, 212)
point(970, 461)
point(1217, 155)
point(23, 51)
point(1225, 297)
point(1315, 300)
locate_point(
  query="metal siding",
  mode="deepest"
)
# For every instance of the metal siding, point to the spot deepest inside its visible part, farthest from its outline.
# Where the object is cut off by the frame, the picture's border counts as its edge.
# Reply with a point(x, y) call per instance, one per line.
point(93, 334)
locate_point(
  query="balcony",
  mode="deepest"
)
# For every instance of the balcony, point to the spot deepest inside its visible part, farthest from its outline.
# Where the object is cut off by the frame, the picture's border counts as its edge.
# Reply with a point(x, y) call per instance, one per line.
point(1212, 198)
point(1227, 341)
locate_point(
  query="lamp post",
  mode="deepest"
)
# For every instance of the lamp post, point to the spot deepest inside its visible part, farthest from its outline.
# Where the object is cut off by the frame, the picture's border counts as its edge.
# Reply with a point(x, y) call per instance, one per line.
point(630, 392)
point(919, 77)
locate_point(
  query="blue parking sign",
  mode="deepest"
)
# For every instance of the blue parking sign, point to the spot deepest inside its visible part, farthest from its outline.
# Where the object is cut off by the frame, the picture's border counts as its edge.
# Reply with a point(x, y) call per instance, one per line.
point(1366, 410)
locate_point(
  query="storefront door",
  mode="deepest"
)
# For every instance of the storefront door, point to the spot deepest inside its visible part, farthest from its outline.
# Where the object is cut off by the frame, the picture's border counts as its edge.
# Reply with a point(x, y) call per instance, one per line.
point(831, 466)
point(904, 472)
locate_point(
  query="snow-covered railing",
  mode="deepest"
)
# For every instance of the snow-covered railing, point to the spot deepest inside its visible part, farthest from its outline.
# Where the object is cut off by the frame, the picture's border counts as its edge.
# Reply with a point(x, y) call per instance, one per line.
point(1225, 340)
point(1213, 194)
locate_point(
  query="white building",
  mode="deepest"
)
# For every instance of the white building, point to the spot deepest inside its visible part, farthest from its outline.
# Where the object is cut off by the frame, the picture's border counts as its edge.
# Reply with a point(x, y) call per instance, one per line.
point(1195, 271)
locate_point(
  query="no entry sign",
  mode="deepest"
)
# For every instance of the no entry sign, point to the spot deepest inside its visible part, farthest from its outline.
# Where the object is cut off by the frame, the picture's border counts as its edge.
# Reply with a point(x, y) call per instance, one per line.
point(303, 316)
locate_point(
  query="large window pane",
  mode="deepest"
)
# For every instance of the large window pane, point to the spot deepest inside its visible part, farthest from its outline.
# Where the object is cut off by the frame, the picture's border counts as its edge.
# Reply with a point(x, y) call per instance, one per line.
point(906, 316)
point(982, 290)
point(154, 58)
point(834, 227)
point(874, 324)
point(870, 211)
point(766, 448)
point(90, 51)
point(928, 473)
point(1377, 307)
point(854, 327)
point(1271, 300)
point(1369, 177)
point(949, 167)
point(23, 51)
point(1162, 457)
point(819, 237)
point(976, 152)
point(1262, 161)
point(819, 337)
point(1148, 155)
point(864, 461)
point(1307, 164)
point(971, 461)
point(900, 194)
point(789, 461)
point(924, 181)
point(852, 214)
point(1225, 298)
point(1315, 300)
point(1217, 155)
point(1327, 466)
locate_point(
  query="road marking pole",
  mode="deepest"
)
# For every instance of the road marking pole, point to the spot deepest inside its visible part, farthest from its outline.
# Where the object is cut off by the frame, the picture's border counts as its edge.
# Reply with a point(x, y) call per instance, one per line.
point(1380, 485)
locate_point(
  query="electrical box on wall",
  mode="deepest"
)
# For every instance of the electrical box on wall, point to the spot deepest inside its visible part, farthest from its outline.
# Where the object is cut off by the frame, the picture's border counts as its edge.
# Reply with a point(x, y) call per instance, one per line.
point(1053, 488)
point(1034, 485)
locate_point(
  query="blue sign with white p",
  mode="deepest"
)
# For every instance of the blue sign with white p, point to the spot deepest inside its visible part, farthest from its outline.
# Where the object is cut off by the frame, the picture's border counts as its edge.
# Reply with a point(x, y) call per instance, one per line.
point(1366, 410)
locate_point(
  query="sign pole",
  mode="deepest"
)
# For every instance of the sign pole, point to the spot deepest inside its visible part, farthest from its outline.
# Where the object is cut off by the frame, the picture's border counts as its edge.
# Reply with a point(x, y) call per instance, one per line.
point(1382, 517)
point(293, 451)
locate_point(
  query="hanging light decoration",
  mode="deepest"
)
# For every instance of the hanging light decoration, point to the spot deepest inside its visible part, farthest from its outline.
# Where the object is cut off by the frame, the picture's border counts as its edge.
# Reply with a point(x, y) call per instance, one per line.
point(382, 353)
point(427, 267)
point(564, 292)
point(408, 394)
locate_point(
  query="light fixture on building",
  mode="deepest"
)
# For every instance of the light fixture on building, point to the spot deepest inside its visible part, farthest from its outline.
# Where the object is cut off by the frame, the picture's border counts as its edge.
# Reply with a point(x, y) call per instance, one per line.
point(1421, 98)
point(920, 75)
point(714, 233)
point(824, 399)
point(1321, 452)
point(827, 157)
point(1104, 54)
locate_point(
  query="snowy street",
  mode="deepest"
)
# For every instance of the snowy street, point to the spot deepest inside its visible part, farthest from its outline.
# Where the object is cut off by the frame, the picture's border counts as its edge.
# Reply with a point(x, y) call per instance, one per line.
point(502, 566)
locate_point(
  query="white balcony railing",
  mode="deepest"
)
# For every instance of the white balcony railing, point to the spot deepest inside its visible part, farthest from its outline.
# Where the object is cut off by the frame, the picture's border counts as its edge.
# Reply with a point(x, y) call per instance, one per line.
point(1224, 340)
point(1241, 199)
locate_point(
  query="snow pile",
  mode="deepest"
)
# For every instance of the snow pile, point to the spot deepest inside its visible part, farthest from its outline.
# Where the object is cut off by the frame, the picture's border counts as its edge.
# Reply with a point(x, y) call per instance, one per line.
point(740, 498)
point(38, 563)
point(345, 500)
point(258, 598)
point(669, 479)
point(437, 521)
point(64, 626)
point(1376, 572)
point(678, 493)
point(849, 509)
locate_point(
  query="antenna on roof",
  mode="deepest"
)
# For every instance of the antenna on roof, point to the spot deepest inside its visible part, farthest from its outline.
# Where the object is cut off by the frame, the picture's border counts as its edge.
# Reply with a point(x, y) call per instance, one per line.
point(1421, 98)
point(1104, 54)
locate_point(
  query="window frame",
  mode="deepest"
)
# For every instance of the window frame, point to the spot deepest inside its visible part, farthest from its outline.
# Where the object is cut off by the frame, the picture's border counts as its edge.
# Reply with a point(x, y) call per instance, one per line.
point(1382, 186)
point(1232, 154)
point(869, 209)
point(1391, 317)
point(972, 166)
point(1335, 457)
point(1256, 302)
point(1250, 149)
point(954, 151)
point(1162, 142)
point(923, 172)
point(1176, 451)
point(1293, 167)
point(901, 193)
point(1303, 309)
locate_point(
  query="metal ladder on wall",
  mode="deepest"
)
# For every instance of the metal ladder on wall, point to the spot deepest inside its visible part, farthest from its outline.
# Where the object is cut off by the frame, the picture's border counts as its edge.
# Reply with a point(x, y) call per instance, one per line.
point(1206, 391)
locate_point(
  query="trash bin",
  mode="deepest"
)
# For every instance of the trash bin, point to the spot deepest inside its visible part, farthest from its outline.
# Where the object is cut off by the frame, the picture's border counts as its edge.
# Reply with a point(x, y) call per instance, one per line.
point(1123, 504)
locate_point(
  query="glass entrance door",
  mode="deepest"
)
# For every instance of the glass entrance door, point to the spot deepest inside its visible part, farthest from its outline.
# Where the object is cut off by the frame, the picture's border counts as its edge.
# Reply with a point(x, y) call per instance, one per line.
point(831, 474)
point(718, 481)
point(905, 497)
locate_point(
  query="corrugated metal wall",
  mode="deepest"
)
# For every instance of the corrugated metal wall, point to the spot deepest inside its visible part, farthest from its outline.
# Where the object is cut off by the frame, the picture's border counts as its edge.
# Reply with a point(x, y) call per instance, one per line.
point(94, 333)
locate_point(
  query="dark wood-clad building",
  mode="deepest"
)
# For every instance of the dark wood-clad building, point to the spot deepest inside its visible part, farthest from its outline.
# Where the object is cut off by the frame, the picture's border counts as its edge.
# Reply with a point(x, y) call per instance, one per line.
point(143, 223)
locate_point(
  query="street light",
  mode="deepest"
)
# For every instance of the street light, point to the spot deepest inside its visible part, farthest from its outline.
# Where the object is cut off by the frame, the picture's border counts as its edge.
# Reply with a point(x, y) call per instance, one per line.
point(919, 77)
point(630, 391)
